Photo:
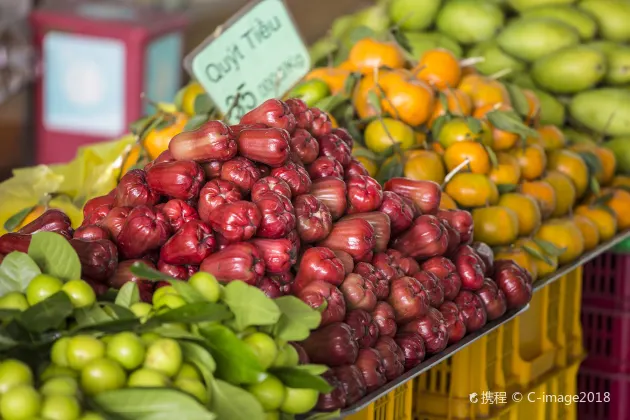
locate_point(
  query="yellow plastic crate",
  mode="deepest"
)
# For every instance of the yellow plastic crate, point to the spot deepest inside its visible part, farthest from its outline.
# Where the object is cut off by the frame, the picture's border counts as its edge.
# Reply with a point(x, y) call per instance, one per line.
point(396, 405)
point(515, 357)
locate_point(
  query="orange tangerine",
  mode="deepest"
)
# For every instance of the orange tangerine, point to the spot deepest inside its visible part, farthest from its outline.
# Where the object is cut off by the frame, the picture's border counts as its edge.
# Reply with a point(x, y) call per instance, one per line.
point(543, 193)
point(447, 203)
point(573, 166)
point(565, 192)
point(532, 160)
point(475, 153)
point(368, 54)
point(545, 264)
point(495, 225)
point(622, 181)
point(439, 68)
point(460, 130)
point(589, 230)
point(619, 202)
point(424, 165)
point(526, 209)
point(520, 257)
point(603, 218)
point(406, 99)
point(507, 172)
point(533, 104)
point(335, 78)
point(458, 104)
point(484, 91)
point(564, 234)
point(156, 141)
point(551, 137)
point(502, 140)
point(472, 190)
point(360, 97)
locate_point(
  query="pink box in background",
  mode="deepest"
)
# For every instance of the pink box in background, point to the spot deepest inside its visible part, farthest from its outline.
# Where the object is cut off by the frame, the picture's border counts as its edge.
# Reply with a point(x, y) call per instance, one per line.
point(97, 58)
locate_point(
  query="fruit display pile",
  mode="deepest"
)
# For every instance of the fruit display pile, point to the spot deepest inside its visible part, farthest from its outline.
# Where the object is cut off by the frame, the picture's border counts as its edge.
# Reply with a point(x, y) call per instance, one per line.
point(278, 203)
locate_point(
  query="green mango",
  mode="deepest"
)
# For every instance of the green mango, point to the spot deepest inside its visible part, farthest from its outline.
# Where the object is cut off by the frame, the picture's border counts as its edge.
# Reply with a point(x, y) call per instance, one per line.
point(578, 137)
point(374, 17)
point(341, 26)
point(552, 111)
point(612, 16)
point(423, 41)
point(494, 59)
point(620, 146)
point(618, 61)
point(470, 21)
point(413, 15)
point(522, 79)
point(522, 5)
point(570, 70)
point(605, 110)
point(581, 21)
point(532, 38)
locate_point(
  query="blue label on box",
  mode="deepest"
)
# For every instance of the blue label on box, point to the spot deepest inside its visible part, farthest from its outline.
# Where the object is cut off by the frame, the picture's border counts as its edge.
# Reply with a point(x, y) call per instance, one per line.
point(163, 69)
point(84, 84)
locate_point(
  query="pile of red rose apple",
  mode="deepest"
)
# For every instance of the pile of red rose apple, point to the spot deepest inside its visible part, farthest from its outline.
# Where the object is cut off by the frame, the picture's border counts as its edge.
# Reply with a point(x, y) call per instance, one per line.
point(278, 202)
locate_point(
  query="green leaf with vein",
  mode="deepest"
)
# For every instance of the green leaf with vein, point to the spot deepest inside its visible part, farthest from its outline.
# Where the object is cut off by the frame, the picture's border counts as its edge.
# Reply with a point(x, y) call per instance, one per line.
point(300, 378)
point(55, 256)
point(16, 220)
point(47, 314)
point(297, 319)
point(234, 403)
point(16, 272)
point(128, 295)
point(251, 307)
point(549, 248)
point(538, 255)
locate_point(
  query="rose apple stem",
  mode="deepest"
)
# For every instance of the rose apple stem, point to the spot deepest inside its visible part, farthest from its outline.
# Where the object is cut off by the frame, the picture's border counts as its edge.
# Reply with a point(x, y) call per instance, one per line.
point(454, 172)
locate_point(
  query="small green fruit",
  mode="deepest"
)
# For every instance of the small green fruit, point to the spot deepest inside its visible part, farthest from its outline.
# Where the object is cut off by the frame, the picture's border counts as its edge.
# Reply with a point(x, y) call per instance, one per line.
point(147, 378)
point(14, 373)
point(82, 349)
point(127, 349)
point(62, 385)
point(207, 285)
point(164, 355)
point(264, 347)
point(188, 371)
point(55, 371)
point(60, 407)
point(270, 393)
point(299, 401)
point(194, 388)
point(141, 309)
point(59, 352)
point(80, 293)
point(14, 300)
point(42, 287)
point(102, 375)
point(20, 403)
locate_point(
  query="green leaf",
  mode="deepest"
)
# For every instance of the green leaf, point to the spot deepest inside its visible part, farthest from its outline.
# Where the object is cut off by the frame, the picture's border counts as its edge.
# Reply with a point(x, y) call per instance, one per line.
point(55, 256)
point(325, 416)
point(506, 188)
point(142, 270)
point(438, 124)
point(300, 378)
point(549, 248)
point(17, 219)
point(195, 122)
point(152, 125)
point(16, 272)
point(330, 103)
point(249, 305)
point(203, 104)
point(493, 156)
point(366, 153)
point(313, 369)
point(474, 125)
point(6, 341)
point(200, 357)
point(192, 313)
point(375, 102)
point(47, 314)
point(297, 319)
point(443, 101)
point(594, 185)
point(165, 123)
point(139, 125)
point(235, 361)
point(510, 121)
point(128, 295)
point(603, 200)
point(91, 316)
point(234, 403)
point(592, 162)
point(402, 40)
point(152, 404)
point(117, 311)
point(351, 82)
point(8, 314)
point(116, 325)
point(187, 292)
point(538, 255)
point(390, 169)
point(359, 33)
point(518, 99)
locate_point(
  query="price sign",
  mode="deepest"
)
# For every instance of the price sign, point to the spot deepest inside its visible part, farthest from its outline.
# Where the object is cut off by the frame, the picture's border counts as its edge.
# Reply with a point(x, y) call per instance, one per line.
point(257, 55)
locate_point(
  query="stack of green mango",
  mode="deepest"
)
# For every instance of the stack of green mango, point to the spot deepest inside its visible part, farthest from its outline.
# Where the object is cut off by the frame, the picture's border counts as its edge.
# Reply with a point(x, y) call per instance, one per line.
point(574, 54)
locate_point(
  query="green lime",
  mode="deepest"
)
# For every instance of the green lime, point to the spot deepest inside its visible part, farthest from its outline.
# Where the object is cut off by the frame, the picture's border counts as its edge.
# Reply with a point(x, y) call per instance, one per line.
point(55, 371)
point(14, 373)
point(169, 301)
point(287, 356)
point(272, 415)
point(147, 378)
point(263, 346)
point(102, 375)
point(299, 400)
point(82, 349)
point(60, 407)
point(141, 309)
point(207, 285)
point(20, 403)
point(42, 287)
point(162, 291)
point(194, 388)
point(59, 352)
point(80, 293)
point(188, 371)
point(63, 385)
point(127, 349)
point(90, 415)
point(270, 393)
point(14, 300)
point(164, 355)
point(310, 91)
point(149, 338)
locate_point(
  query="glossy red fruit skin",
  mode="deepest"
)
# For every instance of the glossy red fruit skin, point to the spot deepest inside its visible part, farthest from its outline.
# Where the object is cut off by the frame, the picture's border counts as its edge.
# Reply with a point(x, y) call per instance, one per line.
point(180, 179)
point(321, 124)
point(371, 366)
point(335, 399)
point(178, 212)
point(279, 255)
point(432, 329)
point(114, 220)
point(384, 316)
point(352, 383)
point(400, 214)
point(272, 113)
point(356, 237)
point(374, 280)
point(461, 221)
point(409, 299)
point(212, 169)
point(333, 345)
point(319, 264)
point(469, 267)
point(425, 238)
point(381, 224)
point(301, 112)
point(344, 135)
point(211, 141)
point(412, 346)
point(318, 293)
point(313, 219)
point(357, 294)
point(493, 299)
point(97, 215)
point(215, 193)
point(393, 357)
point(325, 166)
point(355, 168)
point(453, 237)
point(241, 261)
point(332, 146)
point(331, 191)
point(242, 172)
point(364, 194)
point(515, 283)
point(294, 175)
point(271, 288)
point(486, 254)
point(145, 229)
point(471, 310)
point(454, 324)
point(387, 263)
point(269, 146)
point(91, 233)
point(432, 285)
point(94, 203)
point(165, 156)
point(133, 190)
point(425, 194)
point(446, 271)
point(364, 327)
point(52, 220)
point(10, 242)
point(237, 221)
point(175, 271)
point(277, 216)
point(123, 275)
point(99, 259)
point(190, 245)
point(237, 128)
point(304, 146)
point(270, 184)
point(295, 239)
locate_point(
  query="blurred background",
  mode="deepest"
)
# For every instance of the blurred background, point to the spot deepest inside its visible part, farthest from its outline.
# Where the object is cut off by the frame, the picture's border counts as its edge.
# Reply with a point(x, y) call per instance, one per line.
point(71, 71)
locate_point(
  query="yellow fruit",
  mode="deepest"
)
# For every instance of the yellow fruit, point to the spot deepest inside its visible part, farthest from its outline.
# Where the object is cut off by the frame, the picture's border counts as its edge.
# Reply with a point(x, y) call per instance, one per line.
point(31, 216)
point(495, 225)
point(507, 172)
point(458, 129)
point(621, 181)
point(369, 164)
point(546, 265)
point(589, 230)
point(532, 160)
point(572, 165)
point(543, 193)
point(475, 153)
point(189, 95)
point(526, 209)
point(564, 234)
point(425, 165)
point(604, 219)
point(472, 190)
point(619, 203)
point(447, 203)
point(520, 257)
point(382, 134)
point(565, 192)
